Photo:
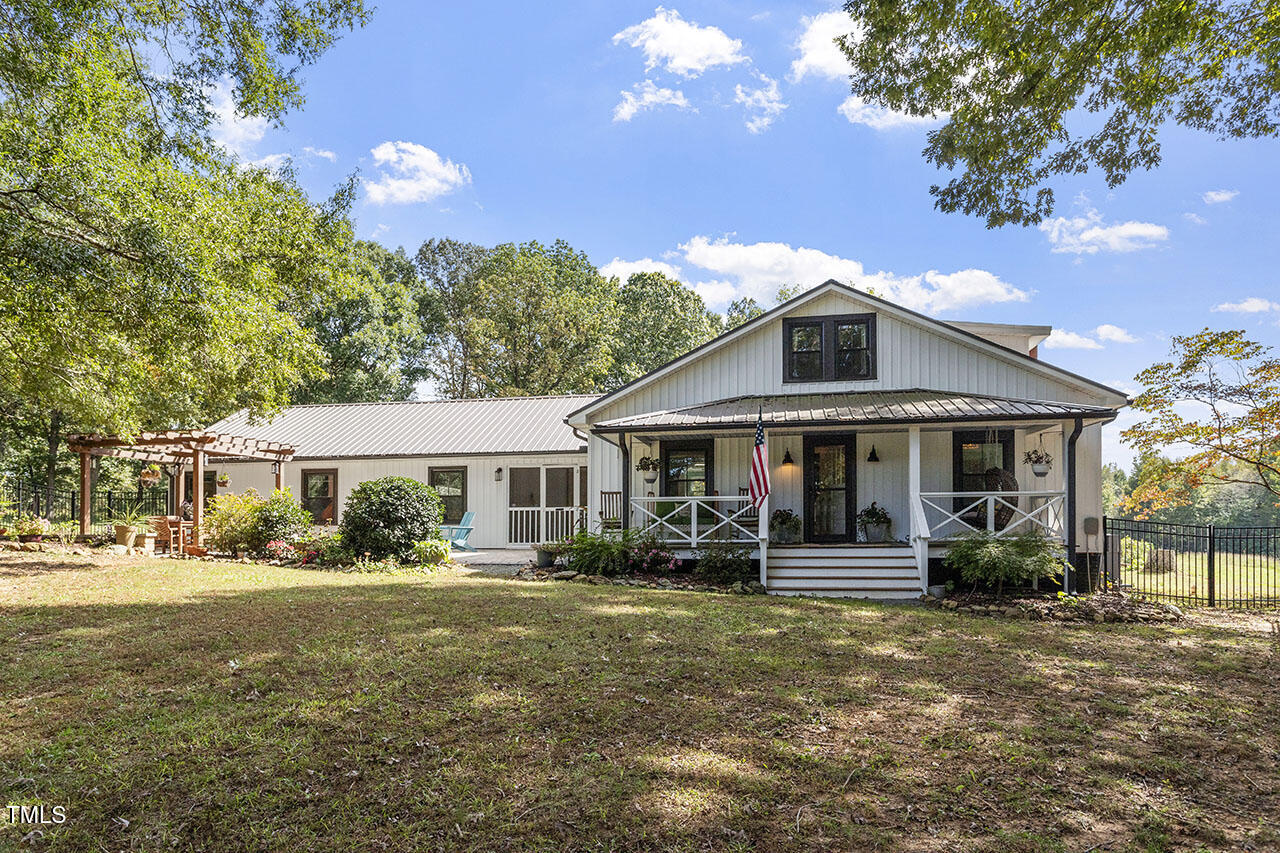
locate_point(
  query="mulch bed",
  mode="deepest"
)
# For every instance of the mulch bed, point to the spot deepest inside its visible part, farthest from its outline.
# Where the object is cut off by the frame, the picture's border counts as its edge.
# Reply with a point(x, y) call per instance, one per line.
point(1098, 607)
point(646, 581)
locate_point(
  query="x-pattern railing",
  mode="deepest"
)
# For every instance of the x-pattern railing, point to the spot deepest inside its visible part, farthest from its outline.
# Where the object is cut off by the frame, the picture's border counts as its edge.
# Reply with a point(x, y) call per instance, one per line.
point(682, 521)
point(1043, 510)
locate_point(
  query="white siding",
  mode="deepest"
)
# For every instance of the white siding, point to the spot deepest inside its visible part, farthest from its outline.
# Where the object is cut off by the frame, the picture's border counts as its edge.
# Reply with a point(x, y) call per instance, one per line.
point(486, 497)
point(910, 354)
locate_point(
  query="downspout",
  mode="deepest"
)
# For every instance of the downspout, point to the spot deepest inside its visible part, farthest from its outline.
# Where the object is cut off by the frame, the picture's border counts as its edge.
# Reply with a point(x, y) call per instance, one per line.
point(1069, 585)
point(625, 446)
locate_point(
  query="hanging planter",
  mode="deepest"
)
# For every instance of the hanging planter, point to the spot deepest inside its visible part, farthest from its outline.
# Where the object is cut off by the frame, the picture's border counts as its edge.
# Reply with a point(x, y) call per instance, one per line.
point(224, 480)
point(1039, 460)
point(648, 468)
point(150, 476)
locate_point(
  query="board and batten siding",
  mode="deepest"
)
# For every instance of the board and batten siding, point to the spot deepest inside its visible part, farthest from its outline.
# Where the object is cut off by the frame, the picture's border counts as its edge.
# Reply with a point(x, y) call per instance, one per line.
point(486, 497)
point(909, 355)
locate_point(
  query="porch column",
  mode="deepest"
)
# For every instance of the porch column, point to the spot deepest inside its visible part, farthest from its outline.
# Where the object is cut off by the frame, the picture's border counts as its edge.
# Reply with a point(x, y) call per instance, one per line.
point(278, 468)
point(919, 537)
point(86, 499)
point(625, 445)
point(197, 494)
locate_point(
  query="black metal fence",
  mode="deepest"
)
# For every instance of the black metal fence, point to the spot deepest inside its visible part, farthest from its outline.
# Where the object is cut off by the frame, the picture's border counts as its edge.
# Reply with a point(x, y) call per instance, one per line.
point(1193, 564)
point(19, 497)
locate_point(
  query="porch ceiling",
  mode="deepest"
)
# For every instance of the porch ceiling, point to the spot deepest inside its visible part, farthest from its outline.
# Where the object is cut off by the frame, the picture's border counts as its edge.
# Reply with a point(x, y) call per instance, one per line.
point(865, 407)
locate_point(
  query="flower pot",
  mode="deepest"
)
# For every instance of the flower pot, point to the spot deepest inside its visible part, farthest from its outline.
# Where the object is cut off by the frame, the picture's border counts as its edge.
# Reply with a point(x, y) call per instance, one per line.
point(149, 478)
point(1040, 469)
point(876, 532)
point(31, 537)
point(125, 535)
point(784, 536)
point(650, 477)
point(545, 558)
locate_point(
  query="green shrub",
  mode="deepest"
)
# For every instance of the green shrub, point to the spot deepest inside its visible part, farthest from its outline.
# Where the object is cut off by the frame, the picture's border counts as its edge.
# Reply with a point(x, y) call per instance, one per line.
point(647, 553)
point(724, 563)
point(605, 553)
point(985, 559)
point(432, 552)
point(250, 521)
point(387, 517)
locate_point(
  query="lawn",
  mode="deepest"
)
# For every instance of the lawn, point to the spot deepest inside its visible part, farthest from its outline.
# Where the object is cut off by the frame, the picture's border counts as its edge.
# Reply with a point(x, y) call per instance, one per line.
point(187, 705)
point(1239, 579)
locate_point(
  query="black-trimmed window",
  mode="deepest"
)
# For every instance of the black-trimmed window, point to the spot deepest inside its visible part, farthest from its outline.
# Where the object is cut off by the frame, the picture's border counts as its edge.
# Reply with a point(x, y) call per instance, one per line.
point(320, 494)
point(826, 349)
point(687, 468)
point(974, 453)
point(451, 485)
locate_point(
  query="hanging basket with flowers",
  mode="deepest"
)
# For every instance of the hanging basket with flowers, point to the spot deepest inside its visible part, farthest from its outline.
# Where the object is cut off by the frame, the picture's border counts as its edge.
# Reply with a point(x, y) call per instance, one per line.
point(150, 475)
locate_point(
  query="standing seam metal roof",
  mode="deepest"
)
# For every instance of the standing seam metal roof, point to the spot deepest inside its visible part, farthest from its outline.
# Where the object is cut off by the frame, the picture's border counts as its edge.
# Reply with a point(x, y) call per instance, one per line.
point(420, 428)
point(864, 406)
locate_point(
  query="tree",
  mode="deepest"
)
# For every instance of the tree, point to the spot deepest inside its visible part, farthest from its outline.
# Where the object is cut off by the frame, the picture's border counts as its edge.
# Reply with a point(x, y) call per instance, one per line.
point(741, 311)
point(146, 278)
point(374, 334)
point(543, 322)
point(661, 318)
point(1008, 78)
point(1115, 488)
point(449, 268)
point(1218, 398)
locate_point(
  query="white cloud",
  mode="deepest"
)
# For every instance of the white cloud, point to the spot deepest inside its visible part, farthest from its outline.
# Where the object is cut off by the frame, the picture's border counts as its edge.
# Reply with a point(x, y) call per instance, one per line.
point(757, 270)
point(234, 132)
point(681, 47)
point(1219, 196)
point(271, 161)
point(1195, 219)
point(816, 45)
point(1062, 339)
point(624, 269)
point(878, 118)
point(1251, 305)
point(763, 104)
point(1088, 234)
point(322, 153)
point(413, 173)
point(378, 230)
point(647, 96)
point(1115, 334)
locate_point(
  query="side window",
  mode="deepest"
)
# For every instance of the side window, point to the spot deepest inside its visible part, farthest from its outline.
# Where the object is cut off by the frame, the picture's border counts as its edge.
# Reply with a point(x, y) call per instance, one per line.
point(451, 485)
point(320, 495)
point(804, 352)
point(853, 350)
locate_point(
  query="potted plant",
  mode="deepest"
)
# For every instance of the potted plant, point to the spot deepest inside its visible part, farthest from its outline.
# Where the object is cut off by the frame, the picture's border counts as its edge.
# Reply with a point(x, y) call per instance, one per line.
point(129, 524)
point(784, 527)
point(875, 523)
point(150, 475)
point(31, 528)
point(1039, 460)
point(547, 553)
point(224, 479)
point(648, 468)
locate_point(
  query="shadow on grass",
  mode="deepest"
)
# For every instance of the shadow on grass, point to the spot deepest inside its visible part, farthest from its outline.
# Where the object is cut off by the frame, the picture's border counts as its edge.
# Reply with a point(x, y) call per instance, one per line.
point(483, 714)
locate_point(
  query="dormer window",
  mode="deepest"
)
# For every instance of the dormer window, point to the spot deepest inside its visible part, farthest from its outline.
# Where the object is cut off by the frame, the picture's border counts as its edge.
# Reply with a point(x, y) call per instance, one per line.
point(826, 349)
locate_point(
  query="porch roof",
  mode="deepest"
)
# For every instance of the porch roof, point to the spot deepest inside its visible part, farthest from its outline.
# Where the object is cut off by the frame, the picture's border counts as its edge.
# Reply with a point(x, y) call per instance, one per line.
point(864, 407)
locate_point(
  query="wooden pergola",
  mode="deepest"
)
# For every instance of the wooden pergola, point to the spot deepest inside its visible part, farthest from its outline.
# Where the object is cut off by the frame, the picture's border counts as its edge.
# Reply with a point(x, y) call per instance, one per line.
point(179, 448)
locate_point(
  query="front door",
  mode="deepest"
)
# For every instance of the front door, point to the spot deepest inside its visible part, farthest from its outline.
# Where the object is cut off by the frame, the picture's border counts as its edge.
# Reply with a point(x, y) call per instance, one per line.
point(830, 498)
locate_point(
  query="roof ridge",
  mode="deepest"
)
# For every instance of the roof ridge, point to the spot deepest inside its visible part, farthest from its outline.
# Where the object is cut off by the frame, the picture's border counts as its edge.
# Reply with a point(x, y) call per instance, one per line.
point(440, 400)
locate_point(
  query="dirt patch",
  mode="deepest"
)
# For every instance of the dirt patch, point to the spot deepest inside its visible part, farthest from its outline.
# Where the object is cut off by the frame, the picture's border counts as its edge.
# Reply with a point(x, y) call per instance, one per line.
point(1100, 607)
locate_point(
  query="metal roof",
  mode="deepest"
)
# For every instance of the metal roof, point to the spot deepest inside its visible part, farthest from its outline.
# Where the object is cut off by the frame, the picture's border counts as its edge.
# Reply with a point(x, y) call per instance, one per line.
point(419, 428)
point(881, 407)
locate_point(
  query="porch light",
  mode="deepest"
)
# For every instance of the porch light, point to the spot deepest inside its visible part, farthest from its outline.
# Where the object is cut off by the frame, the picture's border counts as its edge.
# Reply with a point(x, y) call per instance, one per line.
point(873, 456)
point(786, 458)
point(497, 474)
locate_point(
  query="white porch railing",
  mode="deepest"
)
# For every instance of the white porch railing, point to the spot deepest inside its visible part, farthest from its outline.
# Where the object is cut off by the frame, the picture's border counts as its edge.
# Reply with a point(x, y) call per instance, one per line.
point(689, 522)
point(950, 514)
point(533, 525)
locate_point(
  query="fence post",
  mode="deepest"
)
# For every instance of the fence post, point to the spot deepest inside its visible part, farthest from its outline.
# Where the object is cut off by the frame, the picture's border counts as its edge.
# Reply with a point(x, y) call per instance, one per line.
point(1212, 547)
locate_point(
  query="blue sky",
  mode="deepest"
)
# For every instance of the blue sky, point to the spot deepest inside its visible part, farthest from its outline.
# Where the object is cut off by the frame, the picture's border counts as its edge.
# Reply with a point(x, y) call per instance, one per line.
point(717, 141)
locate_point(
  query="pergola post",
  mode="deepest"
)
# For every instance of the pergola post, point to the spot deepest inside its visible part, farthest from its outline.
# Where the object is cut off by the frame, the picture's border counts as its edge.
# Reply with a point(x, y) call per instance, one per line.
point(197, 494)
point(278, 468)
point(86, 501)
point(180, 488)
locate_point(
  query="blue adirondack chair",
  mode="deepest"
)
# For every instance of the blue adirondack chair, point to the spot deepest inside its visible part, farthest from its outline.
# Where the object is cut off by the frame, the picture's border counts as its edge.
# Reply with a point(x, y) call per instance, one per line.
point(459, 533)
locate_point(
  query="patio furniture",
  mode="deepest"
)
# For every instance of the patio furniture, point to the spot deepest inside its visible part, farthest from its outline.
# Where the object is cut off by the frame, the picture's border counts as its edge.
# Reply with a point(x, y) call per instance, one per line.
point(458, 534)
point(610, 510)
point(172, 533)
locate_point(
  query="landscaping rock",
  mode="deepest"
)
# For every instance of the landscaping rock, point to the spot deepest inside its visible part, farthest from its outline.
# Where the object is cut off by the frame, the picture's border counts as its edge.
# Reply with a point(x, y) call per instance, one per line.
point(566, 575)
point(597, 579)
point(578, 578)
point(32, 546)
point(118, 550)
point(1161, 560)
point(757, 588)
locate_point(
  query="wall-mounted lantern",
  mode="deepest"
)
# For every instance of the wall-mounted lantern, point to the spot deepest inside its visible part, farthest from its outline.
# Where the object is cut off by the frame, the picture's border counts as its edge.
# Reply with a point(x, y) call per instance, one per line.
point(497, 474)
point(873, 456)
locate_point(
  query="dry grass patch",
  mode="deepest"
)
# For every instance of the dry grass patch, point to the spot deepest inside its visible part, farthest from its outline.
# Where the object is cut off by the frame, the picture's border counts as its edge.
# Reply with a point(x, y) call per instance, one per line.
point(229, 707)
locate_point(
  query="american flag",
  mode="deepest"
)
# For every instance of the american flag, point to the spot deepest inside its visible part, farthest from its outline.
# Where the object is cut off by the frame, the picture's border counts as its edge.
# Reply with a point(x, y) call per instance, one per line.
point(759, 465)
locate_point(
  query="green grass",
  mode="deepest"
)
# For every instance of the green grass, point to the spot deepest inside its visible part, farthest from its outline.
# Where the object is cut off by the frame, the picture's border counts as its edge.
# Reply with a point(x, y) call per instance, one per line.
point(1239, 579)
point(229, 707)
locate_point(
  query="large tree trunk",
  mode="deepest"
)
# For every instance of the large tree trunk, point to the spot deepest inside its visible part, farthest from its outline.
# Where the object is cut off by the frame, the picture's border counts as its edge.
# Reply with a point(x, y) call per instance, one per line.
point(54, 438)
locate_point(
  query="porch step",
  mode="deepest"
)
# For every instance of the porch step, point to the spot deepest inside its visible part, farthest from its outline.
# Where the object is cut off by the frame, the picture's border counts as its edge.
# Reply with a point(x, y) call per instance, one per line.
point(878, 571)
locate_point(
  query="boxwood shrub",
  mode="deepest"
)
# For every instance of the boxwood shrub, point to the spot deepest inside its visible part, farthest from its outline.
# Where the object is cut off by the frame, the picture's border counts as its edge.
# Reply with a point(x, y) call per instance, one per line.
point(387, 517)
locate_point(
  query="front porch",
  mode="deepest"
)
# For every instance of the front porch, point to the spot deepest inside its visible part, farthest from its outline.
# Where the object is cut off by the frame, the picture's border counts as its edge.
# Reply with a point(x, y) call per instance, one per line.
point(937, 480)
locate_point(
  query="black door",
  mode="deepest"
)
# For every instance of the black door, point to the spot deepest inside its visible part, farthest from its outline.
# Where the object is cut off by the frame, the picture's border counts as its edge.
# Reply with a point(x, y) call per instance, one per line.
point(830, 493)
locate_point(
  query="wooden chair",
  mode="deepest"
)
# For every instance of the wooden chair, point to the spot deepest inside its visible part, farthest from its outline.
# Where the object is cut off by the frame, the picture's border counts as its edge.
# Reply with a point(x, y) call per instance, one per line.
point(459, 533)
point(752, 511)
point(610, 510)
point(168, 533)
point(996, 480)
